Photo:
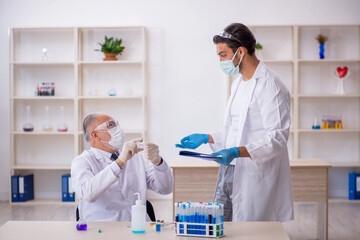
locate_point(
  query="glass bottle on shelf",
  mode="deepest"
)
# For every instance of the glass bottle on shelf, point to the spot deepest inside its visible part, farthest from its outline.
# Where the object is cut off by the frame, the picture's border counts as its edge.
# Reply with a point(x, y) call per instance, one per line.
point(44, 56)
point(28, 127)
point(47, 127)
point(62, 127)
point(112, 91)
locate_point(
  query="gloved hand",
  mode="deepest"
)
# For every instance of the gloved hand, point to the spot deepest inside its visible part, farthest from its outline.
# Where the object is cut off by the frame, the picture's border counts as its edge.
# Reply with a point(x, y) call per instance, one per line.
point(227, 155)
point(152, 153)
point(193, 141)
point(129, 150)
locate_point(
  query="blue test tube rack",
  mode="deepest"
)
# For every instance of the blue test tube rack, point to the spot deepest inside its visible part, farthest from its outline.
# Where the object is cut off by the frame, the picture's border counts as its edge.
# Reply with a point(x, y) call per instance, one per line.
point(199, 219)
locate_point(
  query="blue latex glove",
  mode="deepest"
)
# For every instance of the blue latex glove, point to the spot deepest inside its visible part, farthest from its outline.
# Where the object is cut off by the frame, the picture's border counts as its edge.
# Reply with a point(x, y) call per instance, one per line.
point(227, 155)
point(193, 141)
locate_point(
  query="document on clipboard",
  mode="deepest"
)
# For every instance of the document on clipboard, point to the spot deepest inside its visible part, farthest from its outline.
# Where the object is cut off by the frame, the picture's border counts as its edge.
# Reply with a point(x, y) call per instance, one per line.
point(204, 156)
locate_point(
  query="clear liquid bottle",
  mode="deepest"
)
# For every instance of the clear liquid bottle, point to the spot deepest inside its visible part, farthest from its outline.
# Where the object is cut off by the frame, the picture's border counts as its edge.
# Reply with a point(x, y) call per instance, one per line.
point(62, 127)
point(28, 127)
point(47, 127)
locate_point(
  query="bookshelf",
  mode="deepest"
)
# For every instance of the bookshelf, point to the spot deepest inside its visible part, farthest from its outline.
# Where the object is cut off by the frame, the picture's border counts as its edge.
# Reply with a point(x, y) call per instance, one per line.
point(82, 82)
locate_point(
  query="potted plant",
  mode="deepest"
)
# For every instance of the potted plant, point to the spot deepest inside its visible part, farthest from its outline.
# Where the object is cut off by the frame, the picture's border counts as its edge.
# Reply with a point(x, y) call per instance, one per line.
point(258, 48)
point(111, 48)
point(321, 40)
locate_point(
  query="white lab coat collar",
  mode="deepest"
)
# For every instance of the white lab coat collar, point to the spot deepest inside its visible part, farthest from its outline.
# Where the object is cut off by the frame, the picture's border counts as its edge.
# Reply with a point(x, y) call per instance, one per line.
point(259, 72)
point(101, 155)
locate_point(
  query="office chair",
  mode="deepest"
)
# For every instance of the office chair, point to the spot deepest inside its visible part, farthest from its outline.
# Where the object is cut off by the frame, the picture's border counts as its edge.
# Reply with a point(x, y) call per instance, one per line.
point(149, 211)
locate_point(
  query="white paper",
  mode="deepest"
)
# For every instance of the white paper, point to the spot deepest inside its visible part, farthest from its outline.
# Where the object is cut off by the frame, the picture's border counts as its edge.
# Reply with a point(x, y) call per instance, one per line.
point(358, 184)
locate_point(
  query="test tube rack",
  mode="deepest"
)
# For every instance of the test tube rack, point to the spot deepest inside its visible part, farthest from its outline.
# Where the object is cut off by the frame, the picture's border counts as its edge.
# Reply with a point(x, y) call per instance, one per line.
point(199, 229)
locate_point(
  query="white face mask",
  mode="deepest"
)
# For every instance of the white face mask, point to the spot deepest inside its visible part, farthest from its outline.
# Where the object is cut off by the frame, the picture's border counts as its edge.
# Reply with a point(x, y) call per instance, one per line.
point(117, 138)
point(228, 66)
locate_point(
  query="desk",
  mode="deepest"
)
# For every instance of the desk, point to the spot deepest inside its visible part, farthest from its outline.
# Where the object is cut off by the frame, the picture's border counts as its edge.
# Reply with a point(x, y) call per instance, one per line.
point(20, 230)
point(195, 180)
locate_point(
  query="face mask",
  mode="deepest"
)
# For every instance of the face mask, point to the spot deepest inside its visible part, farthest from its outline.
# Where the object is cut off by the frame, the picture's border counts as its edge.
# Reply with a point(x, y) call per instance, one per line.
point(117, 138)
point(228, 66)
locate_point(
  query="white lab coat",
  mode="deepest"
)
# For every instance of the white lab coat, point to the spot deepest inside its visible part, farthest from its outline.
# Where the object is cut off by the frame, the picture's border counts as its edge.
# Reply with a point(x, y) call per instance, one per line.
point(262, 183)
point(106, 191)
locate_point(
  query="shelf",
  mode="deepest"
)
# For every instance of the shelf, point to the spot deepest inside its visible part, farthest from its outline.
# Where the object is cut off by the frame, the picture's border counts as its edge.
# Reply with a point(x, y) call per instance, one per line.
point(43, 98)
point(276, 61)
point(345, 164)
point(329, 60)
point(343, 200)
point(354, 130)
point(42, 133)
point(41, 167)
point(76, 69)
point(42, 63)
point(44, 201)
point(126, 131)
point(110, 62)
point(111, 97)
point(328, 96)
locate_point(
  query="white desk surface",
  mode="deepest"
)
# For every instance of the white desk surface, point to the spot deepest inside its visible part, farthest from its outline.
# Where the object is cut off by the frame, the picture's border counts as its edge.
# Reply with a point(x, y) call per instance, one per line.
point(198, 163)
point(54, 230)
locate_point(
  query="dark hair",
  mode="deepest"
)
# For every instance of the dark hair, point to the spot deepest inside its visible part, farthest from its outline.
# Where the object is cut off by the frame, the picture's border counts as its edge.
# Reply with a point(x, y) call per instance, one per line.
point(241, 33)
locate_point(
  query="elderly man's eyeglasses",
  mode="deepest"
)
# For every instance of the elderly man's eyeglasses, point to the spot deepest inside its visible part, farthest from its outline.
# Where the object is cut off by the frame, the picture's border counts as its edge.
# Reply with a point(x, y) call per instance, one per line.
point(107, 125)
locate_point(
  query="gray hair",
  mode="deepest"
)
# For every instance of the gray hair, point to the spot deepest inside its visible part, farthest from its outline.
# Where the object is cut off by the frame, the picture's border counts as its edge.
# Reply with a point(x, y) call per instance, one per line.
point(87, 123)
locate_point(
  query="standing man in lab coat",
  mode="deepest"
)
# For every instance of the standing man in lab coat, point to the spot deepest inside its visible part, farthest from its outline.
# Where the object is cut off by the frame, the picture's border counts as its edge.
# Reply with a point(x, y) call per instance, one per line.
point(254, 181)
point(107, 176)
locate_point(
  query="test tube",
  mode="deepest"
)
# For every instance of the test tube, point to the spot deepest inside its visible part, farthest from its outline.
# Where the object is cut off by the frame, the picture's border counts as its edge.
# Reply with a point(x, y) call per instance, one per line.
point(176, 210)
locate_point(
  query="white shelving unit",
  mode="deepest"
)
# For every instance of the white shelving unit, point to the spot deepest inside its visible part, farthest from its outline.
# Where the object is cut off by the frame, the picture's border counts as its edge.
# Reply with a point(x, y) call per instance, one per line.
point(79, 72)
point(293, 52)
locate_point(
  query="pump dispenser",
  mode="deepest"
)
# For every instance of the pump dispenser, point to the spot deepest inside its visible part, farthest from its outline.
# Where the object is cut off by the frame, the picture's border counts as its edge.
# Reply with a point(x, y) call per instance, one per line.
point(138, 216)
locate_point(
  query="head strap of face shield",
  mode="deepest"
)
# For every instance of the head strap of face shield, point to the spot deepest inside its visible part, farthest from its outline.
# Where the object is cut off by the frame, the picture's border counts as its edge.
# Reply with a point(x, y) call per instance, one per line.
point(107, 125)
point(227, 35)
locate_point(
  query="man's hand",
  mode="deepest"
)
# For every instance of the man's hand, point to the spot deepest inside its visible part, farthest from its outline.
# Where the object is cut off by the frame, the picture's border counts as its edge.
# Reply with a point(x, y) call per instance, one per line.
point(152, 153)
point(129, 150)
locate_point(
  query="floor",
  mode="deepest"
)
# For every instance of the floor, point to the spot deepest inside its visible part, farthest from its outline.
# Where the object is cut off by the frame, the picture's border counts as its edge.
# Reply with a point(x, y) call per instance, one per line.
point(344, 217)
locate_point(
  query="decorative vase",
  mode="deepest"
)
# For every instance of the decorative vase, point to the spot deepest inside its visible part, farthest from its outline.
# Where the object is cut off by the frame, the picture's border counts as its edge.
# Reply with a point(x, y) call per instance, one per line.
point(322, 50)
point(341, 75)
point(110, 57)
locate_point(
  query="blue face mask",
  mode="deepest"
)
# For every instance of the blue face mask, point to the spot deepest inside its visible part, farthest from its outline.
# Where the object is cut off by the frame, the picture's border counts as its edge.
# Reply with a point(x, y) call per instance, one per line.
point(228, 66)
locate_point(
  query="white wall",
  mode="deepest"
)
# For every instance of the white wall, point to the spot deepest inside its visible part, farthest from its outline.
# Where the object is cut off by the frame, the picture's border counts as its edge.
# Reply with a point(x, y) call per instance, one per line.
point(187, 91)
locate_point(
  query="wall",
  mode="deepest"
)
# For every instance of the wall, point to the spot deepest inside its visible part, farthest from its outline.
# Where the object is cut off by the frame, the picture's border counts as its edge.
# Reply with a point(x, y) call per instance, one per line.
point(186, 90)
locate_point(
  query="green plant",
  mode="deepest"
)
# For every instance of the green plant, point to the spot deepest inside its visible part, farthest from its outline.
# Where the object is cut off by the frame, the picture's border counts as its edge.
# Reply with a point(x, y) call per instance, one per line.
point(258, 46)
point(321, 38)
point(111, 46)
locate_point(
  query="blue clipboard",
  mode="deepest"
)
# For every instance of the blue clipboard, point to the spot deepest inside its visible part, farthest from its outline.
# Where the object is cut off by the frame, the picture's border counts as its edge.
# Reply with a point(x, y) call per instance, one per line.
point(198, 155)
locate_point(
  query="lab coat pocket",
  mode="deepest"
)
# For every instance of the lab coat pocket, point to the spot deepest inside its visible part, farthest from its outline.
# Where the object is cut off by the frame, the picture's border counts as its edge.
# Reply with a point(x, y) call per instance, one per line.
point(258, 169)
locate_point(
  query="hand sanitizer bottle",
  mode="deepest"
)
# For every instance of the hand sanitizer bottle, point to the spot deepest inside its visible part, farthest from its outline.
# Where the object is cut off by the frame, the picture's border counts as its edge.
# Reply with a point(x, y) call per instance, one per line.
point(138, 216)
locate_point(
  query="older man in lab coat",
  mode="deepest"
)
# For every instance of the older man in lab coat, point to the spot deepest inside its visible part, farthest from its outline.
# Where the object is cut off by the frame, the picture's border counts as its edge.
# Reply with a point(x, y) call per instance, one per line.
point(254, 181)
point(107, 176)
